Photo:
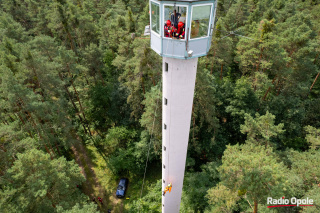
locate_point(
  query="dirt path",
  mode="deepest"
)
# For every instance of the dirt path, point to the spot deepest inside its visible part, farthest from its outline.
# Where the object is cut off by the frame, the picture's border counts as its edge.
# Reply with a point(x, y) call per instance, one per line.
point(91, 187)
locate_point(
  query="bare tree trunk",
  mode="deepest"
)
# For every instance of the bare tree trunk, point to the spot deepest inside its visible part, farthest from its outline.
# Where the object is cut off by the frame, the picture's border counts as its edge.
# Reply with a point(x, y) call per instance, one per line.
point(258, 65)
point(221, 72)
point(314, 82)
point(77, 94)
point(12, 120)
point(21, 119)
point(38, 83)
point(52, 199)
point(279, 90)
point(214, 54)
point(265, 95)
point(101, 77)
point(51, 147)
point(255, 210)
point(153, 82)
point(6, 111)
point(45, 146)
point(58, 149)
point(314, 62)
point(74, 105)
point(70, 40)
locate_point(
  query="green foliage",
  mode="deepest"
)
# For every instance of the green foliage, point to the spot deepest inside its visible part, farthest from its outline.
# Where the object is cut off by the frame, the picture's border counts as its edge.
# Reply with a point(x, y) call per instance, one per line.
point(119, 137)
point(195, 188)
point(254, 172)
point(242, 98)
point(151, 202)
point(314, 194)
point(151, 118)
point(222, 198)
point(261, 128)
point(100, 104)
point(35, 183)
point(127, 155)
point(313, 136)
point(86, 208)
point(305, 166)
point(82, 70)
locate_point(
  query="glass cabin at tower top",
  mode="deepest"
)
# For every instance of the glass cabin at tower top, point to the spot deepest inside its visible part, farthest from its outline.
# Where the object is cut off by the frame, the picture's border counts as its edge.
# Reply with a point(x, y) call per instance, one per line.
point(181, 29)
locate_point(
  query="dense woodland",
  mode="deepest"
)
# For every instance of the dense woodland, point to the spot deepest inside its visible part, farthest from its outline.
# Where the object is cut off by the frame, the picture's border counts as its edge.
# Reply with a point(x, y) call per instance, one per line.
point(79, 90)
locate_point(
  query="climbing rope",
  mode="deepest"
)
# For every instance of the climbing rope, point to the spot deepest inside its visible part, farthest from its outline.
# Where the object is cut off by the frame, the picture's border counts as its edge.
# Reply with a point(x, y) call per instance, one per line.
point(145, 169)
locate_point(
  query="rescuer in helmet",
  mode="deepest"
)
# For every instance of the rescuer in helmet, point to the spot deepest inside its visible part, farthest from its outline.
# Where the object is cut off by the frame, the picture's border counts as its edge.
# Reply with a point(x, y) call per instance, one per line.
point(167, 28)
point(168, 188)
point(181, 31)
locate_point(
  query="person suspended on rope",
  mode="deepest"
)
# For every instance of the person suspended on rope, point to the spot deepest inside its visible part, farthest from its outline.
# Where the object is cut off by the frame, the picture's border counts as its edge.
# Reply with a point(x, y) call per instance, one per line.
point(180, 32)
point(168, 188)
point(167, 28)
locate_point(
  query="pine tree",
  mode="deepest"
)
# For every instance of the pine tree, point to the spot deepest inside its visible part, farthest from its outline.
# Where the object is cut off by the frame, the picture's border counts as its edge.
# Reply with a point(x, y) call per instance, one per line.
point(35, 183)
point(261, 128)
point(253, 172)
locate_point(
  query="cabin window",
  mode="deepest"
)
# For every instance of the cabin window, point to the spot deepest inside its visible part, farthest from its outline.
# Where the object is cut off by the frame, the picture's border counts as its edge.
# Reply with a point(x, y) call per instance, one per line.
point(175, 19)
point(200, 21)
point(155, 17)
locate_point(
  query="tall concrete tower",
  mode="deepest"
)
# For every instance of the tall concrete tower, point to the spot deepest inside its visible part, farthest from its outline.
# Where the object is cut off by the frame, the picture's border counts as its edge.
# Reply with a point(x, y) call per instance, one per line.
point(181, 32)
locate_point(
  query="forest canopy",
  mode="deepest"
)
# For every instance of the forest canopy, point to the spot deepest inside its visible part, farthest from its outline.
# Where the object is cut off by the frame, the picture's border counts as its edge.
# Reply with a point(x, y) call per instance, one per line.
point(80, 89)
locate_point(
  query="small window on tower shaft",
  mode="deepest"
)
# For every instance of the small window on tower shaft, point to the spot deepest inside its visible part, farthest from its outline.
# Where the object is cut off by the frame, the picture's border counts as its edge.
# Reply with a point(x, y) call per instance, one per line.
point(166, 67)
point(165, 126)
point(165, 101)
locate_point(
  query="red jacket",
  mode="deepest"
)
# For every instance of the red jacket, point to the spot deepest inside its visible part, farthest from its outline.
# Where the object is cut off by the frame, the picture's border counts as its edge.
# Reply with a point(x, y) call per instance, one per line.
point(166, 31)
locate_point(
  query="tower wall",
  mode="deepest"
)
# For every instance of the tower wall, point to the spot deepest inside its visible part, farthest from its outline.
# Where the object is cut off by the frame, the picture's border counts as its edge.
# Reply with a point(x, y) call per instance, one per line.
point(178, 91)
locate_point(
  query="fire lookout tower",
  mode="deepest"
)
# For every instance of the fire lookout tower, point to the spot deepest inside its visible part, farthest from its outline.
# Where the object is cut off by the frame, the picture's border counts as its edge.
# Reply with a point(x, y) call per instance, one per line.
point(180, 32)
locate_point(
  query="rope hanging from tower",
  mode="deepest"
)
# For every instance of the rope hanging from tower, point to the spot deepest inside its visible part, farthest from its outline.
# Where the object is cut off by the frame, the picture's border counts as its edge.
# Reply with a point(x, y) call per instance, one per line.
point(149, 147)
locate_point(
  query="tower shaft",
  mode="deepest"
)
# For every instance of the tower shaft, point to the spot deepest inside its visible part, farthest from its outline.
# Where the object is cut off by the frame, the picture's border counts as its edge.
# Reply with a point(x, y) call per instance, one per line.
point(178, 90)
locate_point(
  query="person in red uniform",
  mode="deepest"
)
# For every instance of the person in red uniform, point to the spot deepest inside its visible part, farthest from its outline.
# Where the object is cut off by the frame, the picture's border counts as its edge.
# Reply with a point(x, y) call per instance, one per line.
point(167, 28)
point(100, 199)
point(173, 31)
point(180, 32)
